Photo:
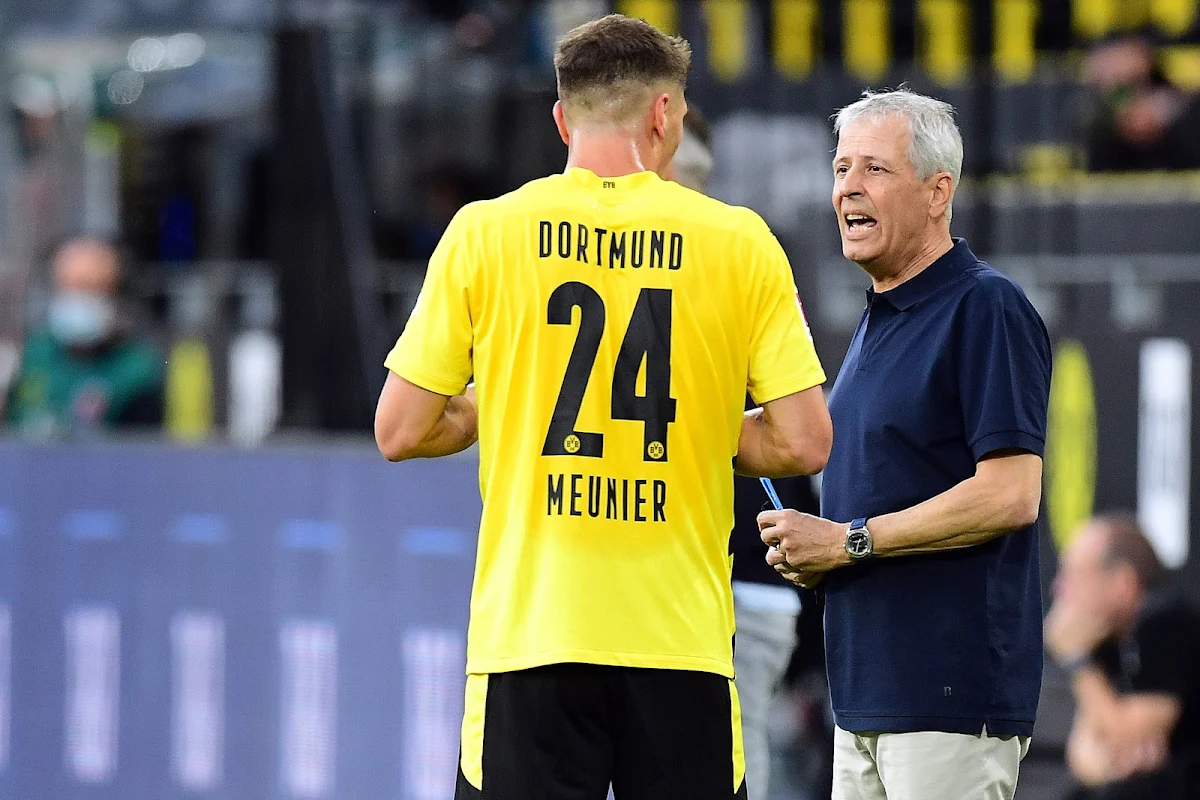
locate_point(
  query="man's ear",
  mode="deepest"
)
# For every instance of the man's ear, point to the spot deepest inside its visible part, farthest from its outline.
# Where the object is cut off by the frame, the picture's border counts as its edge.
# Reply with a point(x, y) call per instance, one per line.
point(560, 119)
point(943, 193)
point(658, 115)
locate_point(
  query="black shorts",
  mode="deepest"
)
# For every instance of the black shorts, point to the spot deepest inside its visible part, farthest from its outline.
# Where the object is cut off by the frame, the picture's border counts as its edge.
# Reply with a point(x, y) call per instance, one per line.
point(566, 731)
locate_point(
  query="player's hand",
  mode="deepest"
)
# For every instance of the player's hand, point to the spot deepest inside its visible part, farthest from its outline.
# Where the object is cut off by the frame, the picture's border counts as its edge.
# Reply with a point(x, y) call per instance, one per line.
point(803, 543)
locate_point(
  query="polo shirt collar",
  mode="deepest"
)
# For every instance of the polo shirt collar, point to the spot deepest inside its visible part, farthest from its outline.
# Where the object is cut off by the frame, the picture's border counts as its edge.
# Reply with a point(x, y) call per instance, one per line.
point(930, 279)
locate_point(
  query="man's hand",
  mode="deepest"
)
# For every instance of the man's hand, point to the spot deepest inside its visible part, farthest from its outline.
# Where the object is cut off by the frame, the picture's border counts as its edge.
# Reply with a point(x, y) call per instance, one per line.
point(1071, 633)
point(1138, 756)
point(1095, 759)
point(805, 580)
point(803, 543)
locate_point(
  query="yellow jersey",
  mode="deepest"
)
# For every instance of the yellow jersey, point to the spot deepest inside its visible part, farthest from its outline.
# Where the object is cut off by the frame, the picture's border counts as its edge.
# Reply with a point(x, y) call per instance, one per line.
point(613, 327)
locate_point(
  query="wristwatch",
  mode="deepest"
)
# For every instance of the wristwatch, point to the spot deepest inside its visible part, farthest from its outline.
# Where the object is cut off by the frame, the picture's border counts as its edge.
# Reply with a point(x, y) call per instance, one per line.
point(858, 540)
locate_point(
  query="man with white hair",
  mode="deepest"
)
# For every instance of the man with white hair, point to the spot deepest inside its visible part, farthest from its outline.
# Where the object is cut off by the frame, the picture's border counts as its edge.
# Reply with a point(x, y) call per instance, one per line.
point(928, 552)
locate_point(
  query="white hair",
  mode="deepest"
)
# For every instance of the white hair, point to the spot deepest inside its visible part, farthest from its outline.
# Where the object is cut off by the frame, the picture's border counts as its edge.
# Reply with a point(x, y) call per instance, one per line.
point(934, 144)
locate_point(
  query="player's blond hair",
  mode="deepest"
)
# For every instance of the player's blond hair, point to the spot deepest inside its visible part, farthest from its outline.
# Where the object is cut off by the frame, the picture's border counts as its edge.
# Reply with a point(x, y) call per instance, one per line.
point(606, 68)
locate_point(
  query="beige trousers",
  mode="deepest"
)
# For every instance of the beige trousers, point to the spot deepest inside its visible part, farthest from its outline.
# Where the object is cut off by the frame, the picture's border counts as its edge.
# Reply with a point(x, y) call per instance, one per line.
point(926, 766)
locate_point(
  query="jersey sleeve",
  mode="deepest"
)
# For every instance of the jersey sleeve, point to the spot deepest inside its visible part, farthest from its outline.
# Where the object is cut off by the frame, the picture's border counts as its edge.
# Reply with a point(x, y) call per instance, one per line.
point(783, 360)
point(435, 350)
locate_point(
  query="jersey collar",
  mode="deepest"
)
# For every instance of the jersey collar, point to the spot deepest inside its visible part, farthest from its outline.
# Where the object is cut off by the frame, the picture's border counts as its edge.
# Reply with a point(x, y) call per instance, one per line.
point(620, 183)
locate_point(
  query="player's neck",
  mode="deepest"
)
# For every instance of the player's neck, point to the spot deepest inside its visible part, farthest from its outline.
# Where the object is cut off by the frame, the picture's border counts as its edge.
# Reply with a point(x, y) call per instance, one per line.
point(610, 153)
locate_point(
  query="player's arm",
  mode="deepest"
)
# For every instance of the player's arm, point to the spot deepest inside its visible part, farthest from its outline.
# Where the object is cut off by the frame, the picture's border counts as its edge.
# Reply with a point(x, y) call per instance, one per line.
point(411, 422)
point(788, 436)
point(422, 411)
point(791, 433)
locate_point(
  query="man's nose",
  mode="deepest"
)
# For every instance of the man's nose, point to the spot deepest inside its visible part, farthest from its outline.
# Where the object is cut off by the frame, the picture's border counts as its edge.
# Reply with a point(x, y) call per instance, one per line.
point(850, 185)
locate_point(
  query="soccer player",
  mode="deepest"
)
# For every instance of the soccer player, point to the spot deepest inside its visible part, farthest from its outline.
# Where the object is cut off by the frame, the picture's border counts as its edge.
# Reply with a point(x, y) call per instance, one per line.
point(613, 322)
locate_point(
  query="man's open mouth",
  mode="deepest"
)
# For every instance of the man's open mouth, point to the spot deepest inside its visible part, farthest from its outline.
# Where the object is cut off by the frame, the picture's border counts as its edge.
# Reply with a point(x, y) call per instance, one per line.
point(859, 222)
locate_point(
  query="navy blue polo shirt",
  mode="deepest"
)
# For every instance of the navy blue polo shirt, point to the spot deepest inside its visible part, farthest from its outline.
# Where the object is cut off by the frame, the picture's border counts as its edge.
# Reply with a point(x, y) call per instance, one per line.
point(945, 368)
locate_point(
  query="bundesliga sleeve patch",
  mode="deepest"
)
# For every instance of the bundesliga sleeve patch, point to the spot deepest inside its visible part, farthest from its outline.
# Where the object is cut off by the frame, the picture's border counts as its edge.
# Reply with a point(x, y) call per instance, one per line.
point(803, 317)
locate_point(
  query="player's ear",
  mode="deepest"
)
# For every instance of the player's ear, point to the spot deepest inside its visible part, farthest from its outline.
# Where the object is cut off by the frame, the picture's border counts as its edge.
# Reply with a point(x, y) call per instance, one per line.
point(658, 115)
point(560, 119)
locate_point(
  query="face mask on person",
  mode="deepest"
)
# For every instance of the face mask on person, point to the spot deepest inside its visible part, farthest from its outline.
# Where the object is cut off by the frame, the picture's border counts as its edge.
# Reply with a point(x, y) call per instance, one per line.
point(81, 319)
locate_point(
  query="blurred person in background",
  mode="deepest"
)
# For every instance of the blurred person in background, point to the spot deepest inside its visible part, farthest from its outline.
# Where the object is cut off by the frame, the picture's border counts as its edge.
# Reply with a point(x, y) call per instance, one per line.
point(1132, 652)
point(86, 368)
point(1142, 121)
point(766, 606)
point(599, 650)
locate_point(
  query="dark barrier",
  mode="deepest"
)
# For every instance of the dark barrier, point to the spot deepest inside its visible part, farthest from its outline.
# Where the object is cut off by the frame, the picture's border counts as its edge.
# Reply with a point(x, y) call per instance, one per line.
point(221, 624)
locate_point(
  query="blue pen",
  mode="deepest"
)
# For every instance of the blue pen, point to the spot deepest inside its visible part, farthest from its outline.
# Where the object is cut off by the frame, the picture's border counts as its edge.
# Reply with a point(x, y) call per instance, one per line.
point(770, 487)
point(771, 493)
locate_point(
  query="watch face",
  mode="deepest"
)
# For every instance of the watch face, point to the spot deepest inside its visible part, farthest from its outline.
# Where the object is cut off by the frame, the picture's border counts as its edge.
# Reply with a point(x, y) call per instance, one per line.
point(858, 543)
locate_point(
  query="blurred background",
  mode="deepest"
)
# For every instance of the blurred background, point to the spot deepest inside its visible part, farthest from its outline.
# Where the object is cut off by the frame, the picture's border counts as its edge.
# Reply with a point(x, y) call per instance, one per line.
point(210, 583)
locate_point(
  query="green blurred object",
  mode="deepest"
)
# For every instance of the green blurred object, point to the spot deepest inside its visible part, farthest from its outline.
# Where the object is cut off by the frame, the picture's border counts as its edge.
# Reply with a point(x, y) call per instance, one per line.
point(59, 391)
